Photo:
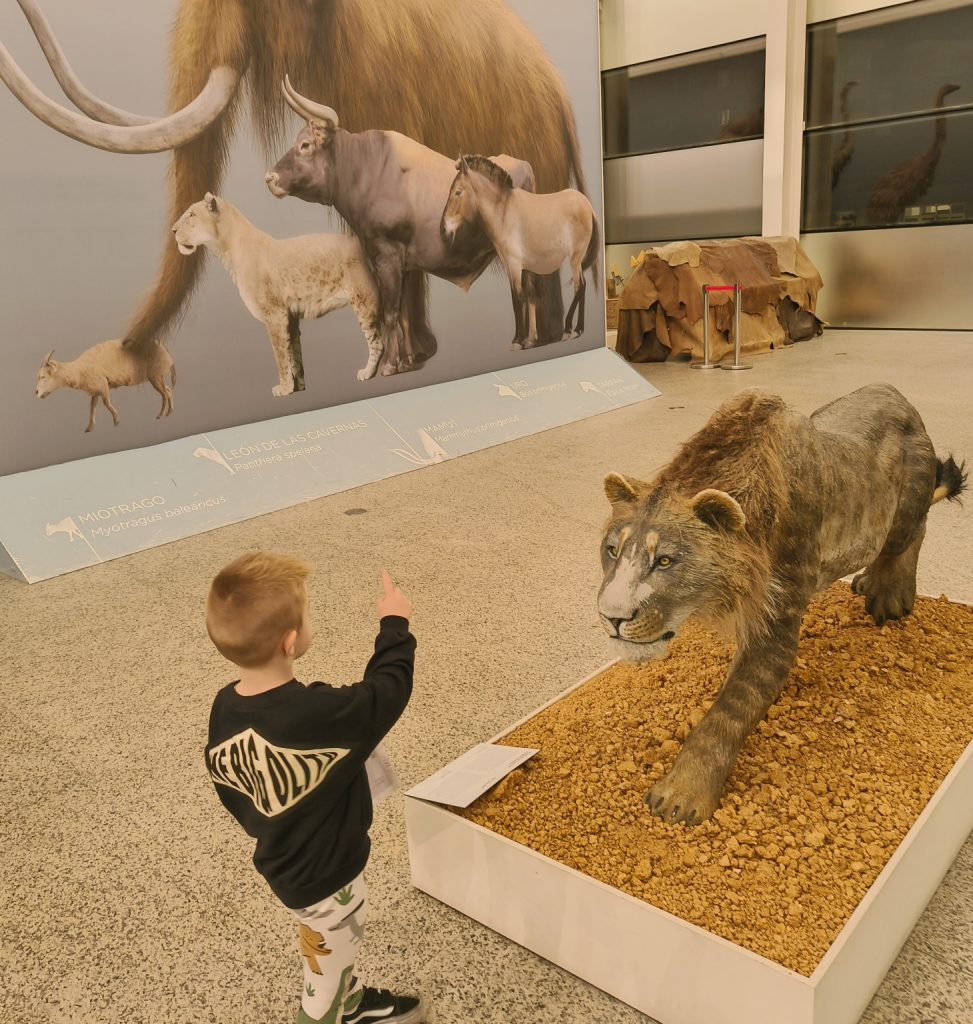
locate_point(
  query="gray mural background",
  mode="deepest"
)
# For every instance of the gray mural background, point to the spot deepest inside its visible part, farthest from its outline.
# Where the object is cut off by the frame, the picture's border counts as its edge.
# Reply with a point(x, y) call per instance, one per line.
point(81, 233)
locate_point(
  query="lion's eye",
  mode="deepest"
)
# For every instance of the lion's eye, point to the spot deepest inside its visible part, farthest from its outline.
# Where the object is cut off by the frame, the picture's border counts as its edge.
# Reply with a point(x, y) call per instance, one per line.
point(612, 551)
point(664, 562)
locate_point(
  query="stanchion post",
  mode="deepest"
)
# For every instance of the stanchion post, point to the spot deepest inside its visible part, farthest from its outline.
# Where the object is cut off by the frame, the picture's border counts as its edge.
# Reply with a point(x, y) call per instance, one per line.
point(706, 364)
point(737, 303)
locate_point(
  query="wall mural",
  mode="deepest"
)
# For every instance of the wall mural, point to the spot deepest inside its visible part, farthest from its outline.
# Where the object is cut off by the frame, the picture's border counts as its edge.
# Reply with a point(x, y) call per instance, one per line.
point(439, 135)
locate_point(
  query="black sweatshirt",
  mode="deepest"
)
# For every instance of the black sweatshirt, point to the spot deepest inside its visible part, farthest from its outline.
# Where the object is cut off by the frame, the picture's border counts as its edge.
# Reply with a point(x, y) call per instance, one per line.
point(289, 765)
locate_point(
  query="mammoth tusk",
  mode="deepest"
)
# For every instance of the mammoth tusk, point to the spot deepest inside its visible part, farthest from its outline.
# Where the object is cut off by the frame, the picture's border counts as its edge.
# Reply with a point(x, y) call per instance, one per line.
point(155, 137)
point(306, 108)
point(67, 79)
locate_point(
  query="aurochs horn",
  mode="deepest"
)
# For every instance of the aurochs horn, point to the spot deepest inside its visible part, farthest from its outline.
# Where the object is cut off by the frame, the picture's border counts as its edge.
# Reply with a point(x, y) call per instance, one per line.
point(306, 108)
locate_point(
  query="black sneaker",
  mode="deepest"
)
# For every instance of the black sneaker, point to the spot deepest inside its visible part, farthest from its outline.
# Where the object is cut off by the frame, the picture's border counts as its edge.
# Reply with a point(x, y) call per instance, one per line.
point(378, 1004)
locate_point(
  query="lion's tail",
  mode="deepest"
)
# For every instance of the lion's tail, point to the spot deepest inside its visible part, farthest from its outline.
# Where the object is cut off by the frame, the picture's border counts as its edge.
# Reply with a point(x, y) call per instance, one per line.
point(950, 480)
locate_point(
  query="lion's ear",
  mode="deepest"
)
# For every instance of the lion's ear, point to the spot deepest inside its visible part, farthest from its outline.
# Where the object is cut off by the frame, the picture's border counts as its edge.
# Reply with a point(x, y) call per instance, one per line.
point(717, 508)
point(622, 490)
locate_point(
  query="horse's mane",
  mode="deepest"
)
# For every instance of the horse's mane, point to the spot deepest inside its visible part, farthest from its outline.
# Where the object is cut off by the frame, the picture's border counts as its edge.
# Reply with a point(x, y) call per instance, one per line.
point(484, 165)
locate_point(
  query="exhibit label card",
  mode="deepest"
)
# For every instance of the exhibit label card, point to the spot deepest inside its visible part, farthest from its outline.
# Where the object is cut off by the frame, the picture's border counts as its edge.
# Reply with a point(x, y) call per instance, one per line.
point(382, 779)
point(461, 781)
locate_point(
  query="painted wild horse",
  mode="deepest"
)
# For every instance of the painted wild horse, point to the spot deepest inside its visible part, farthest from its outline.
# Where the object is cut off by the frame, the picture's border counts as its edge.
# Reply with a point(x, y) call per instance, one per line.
point(536, 233)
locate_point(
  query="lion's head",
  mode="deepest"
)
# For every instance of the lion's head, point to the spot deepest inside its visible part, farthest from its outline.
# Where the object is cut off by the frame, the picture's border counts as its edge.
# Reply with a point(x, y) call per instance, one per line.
point(666, 557)
point(199, 225)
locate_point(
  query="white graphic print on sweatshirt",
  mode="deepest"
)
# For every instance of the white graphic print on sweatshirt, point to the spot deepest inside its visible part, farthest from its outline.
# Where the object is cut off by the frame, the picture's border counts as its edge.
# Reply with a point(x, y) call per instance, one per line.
point(274, 778)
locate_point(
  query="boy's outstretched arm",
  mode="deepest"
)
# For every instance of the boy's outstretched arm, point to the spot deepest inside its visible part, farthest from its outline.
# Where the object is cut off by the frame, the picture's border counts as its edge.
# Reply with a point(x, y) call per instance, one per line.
point(387, 682)
point(375, 704)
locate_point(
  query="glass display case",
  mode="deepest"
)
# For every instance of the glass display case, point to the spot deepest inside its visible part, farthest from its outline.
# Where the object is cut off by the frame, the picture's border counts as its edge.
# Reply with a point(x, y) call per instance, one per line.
point(889, 118)
point(693, 99)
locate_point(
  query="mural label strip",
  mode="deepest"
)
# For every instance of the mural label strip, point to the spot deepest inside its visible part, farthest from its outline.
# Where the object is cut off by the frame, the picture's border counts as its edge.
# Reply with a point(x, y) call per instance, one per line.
point(61, 518)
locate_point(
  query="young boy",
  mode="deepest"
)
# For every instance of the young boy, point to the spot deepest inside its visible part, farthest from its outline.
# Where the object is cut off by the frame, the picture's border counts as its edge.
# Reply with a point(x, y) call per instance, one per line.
point(288, 762)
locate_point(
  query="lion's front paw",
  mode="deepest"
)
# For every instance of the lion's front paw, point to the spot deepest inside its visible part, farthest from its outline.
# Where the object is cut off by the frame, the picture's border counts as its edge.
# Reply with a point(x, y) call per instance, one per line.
point(887, 595)
point(893, 604)
point(281, 390)
point(683, 796)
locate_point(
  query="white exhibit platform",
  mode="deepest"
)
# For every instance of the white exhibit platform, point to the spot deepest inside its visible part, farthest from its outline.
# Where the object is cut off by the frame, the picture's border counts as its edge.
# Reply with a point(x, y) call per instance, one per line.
point(677, 972)
point(71, 516)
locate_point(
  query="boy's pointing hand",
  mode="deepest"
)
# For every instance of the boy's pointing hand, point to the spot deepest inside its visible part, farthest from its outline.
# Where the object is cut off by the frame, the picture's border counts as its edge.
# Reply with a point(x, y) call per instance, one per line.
point(393, 601)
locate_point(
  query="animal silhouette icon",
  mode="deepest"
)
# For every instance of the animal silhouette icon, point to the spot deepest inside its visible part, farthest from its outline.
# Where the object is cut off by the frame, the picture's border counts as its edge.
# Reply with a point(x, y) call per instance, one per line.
point(434, 452)
point(214, 456)
point(68, 526)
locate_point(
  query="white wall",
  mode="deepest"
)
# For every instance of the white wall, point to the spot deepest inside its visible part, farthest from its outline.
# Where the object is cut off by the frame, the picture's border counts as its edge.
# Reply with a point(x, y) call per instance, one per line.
point(633, 31)
point(826, 10)
point(705, 190)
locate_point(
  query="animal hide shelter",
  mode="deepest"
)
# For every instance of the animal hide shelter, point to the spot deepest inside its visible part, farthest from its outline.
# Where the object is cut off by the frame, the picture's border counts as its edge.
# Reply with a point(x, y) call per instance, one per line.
point(660, 309)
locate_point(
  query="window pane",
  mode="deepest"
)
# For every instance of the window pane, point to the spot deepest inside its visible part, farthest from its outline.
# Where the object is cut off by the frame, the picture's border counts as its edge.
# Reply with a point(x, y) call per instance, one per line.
point(695, 99)
point(914, 171)
point(893, 61)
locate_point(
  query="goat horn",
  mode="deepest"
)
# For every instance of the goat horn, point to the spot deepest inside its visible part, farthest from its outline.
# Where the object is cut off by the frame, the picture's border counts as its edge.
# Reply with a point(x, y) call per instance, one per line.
point(67, 79)
point(155, 137)
point(48, 357)
point(306, 108)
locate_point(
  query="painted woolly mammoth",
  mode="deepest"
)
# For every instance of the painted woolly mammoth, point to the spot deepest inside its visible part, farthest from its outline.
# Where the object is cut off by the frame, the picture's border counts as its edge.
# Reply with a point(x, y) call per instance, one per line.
point(373, 61)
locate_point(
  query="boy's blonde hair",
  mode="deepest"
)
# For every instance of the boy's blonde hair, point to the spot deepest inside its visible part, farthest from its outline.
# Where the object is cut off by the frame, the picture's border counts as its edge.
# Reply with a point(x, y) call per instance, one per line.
point(252, 603)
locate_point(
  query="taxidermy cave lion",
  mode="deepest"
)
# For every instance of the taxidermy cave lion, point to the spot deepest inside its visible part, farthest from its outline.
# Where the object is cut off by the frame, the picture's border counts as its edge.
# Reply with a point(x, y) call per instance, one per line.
point(375, 62)
point(756, 513)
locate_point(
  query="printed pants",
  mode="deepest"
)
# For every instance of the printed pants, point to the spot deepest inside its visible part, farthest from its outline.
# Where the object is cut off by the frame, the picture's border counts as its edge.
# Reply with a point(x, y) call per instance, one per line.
point(328, 935)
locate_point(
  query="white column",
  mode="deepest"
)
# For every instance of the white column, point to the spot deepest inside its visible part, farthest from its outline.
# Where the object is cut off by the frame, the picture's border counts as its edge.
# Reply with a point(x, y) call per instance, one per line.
point(784, 116)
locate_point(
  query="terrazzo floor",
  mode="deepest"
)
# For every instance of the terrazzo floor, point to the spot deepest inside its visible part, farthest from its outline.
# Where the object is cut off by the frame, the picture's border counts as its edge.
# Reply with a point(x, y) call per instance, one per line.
point(127, 893)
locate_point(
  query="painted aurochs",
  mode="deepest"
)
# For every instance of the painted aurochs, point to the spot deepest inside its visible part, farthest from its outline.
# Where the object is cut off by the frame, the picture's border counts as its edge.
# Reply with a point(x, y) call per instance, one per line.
point(376, 62)
point(758, 511)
